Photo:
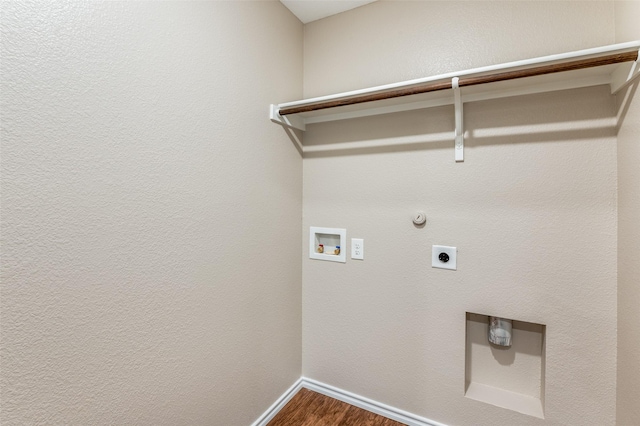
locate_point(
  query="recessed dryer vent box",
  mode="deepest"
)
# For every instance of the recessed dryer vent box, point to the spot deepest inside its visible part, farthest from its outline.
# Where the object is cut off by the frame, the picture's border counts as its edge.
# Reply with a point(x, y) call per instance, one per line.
point(328, 244)
point(507, 377)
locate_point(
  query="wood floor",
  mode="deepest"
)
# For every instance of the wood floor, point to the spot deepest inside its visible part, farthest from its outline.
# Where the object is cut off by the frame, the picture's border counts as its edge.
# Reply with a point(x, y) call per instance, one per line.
point(308, 408)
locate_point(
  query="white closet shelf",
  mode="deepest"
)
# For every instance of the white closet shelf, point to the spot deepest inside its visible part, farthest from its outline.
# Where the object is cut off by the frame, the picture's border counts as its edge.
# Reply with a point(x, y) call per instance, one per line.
point(616, 65)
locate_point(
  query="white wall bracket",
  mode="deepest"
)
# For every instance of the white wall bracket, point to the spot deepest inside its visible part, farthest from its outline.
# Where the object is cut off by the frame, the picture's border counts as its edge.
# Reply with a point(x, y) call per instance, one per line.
point(291, 122)
point(459, 135)
point(622, 77)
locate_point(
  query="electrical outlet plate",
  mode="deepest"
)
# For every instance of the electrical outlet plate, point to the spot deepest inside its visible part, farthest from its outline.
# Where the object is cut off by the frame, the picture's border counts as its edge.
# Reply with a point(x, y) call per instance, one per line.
point(451, 252)
point(357, 248)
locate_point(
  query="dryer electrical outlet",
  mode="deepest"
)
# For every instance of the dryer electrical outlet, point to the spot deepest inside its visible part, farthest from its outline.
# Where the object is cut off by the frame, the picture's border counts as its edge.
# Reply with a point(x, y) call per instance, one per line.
point(444, 257)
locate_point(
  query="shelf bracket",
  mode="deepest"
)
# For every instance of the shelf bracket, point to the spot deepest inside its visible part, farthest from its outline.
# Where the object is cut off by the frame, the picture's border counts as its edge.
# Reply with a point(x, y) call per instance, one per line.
point(286, 121)
point(623, 77)
point(459, 135)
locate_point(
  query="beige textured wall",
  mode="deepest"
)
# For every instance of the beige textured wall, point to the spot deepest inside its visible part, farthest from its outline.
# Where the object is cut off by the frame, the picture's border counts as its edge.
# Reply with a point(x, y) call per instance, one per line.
point(532, 211)
point(396, 40)
point(145, 195)
point(627, 29)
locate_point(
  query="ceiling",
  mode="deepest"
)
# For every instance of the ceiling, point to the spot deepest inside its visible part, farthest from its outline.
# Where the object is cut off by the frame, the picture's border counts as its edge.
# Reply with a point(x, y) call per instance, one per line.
point(312, 10)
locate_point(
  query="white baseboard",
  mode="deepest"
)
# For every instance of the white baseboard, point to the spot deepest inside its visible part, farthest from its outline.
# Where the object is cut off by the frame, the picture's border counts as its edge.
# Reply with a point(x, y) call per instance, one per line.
point(344, 396)
point(277, 406)
point(368, 404)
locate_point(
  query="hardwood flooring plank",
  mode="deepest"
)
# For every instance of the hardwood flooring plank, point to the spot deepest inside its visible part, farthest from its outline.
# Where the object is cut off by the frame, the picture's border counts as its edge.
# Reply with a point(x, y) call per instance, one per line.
point(308, 408)
point(360, 417)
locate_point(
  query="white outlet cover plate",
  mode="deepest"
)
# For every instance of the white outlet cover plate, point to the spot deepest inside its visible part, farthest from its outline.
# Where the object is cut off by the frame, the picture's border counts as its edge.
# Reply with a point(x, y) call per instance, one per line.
point(357, 248)
point(437, 263)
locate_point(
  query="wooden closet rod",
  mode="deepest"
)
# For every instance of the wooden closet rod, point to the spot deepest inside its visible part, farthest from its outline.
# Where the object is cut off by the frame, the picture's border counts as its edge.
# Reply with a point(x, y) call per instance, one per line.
point(466, 81)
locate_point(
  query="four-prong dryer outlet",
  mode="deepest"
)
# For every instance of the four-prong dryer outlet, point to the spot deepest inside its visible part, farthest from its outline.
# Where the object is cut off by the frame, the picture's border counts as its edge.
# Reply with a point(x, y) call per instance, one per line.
point(444, 257)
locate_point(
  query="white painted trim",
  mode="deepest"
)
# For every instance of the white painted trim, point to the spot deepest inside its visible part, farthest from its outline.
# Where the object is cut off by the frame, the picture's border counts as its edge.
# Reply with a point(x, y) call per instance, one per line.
point(344, 396)
point(277, 406)
point(368, 404)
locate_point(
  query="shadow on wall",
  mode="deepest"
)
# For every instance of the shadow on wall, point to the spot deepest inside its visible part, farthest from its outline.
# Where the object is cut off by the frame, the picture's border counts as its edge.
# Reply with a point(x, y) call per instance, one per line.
point(539, 118)
point(503, 354)
point(624, 102)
